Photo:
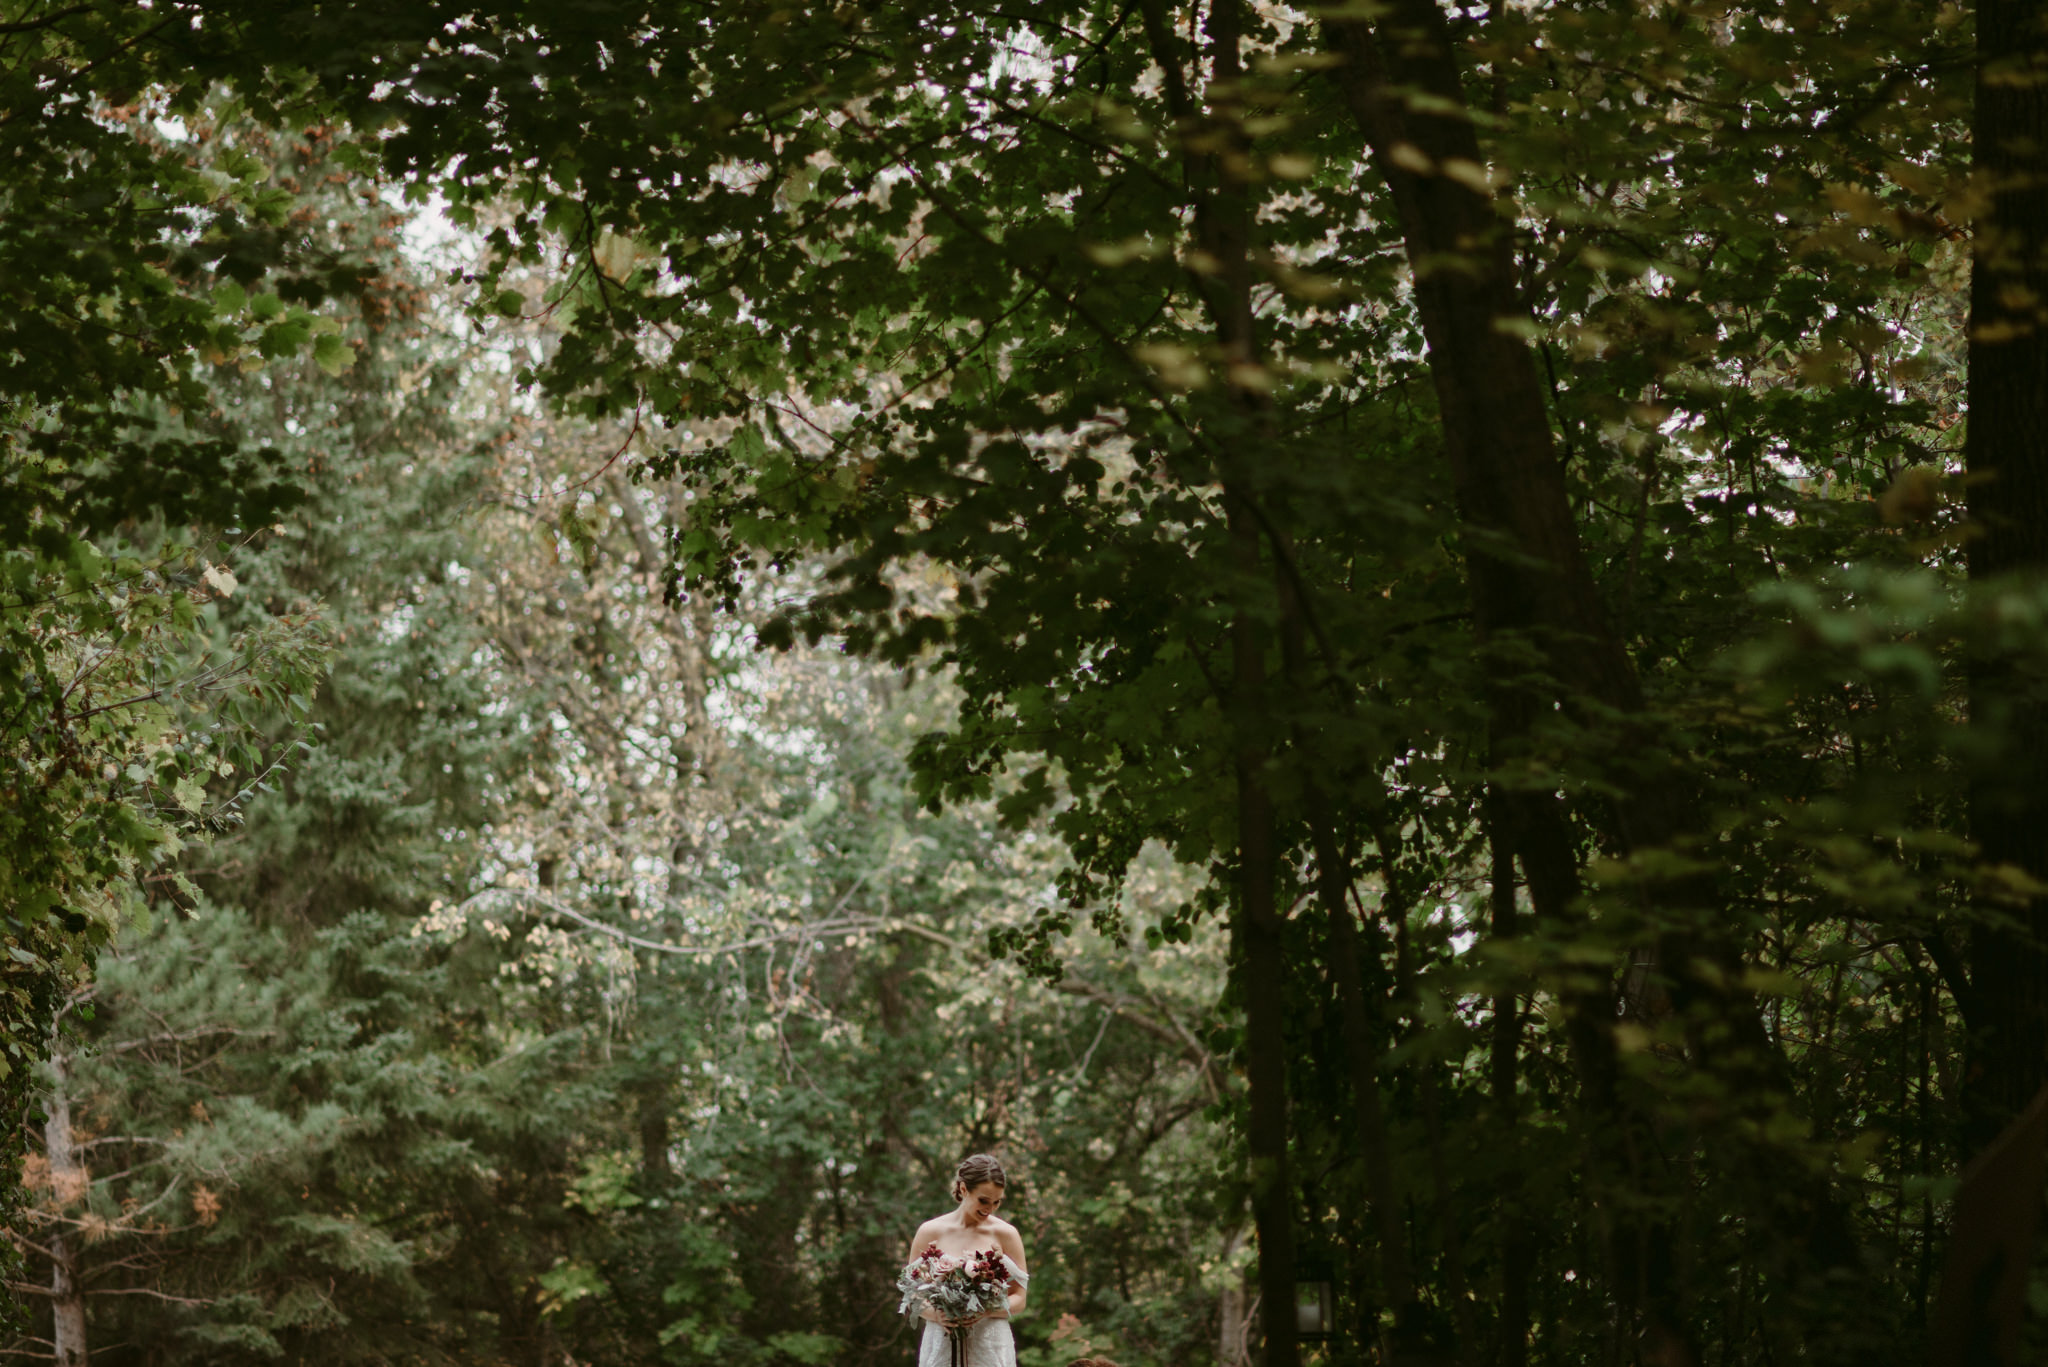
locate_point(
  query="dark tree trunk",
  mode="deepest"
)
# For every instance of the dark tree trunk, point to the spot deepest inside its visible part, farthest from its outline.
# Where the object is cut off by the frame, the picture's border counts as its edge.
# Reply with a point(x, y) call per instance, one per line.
point(1360, 1009)
point(1223, 224)
point(1262, 965)
point(1513, 503)
point(1516, 1254)
point(1362, 1046)
point(2008, 500)
point(1496, 423)
point(767, 1264)
point(1980, 1316)
point(653, 1123)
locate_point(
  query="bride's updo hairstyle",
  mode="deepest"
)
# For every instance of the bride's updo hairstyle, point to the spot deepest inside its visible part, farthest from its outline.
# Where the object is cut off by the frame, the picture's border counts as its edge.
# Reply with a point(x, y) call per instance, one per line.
point(975, 1169)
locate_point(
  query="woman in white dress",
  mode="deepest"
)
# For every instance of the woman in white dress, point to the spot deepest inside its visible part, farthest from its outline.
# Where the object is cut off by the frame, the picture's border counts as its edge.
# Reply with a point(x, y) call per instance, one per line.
point(972, 1227)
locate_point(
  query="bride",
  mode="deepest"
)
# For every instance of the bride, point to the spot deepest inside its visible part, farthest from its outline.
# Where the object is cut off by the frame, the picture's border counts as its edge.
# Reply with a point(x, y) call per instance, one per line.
point(972, 1228)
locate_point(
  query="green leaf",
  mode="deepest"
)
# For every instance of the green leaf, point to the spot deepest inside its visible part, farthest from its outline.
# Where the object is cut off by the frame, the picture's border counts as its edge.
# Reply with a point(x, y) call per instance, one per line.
point(332, 354)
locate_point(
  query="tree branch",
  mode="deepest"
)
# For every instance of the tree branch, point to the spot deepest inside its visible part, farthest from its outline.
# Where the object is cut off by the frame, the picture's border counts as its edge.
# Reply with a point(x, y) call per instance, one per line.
point(147, 1291)
point(30, 25)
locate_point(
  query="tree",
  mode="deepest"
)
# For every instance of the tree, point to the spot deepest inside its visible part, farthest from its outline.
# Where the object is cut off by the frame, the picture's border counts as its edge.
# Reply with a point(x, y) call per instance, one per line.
point(1459, 557)
point(118, 701)
point(478, 888)
point(1141, 239)
point(2008, 362)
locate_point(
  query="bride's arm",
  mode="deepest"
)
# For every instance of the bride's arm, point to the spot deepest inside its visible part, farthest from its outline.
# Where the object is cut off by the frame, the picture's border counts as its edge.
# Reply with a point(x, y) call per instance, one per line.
point(1012, 1245)
point(918, 1242)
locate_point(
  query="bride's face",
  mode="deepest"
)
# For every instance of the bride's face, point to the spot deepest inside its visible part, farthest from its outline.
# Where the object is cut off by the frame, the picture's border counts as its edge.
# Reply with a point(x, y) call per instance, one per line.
point(980, 1204)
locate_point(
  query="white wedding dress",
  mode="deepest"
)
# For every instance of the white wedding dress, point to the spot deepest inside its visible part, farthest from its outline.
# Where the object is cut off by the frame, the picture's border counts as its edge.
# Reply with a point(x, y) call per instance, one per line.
point(989, 1343)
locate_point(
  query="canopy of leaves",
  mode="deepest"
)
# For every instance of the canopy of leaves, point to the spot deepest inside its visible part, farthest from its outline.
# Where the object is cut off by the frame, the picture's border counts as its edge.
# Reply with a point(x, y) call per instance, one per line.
point(1082, 359)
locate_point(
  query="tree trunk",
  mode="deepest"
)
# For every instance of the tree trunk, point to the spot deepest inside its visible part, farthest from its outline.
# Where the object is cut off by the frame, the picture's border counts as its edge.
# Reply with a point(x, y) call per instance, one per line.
point(69, 1182)
point(1362, 1046)
point(1496, 422)
point(1516, 1254)
point(770, 1230)
point(1980, 1316)
point(67, 1305)
point(1351, 943)
point(1262, 964)
point(1223, 224)
point(652, 1115)
point(1230, 1310)
point(1513, 504)
point(2008, 501)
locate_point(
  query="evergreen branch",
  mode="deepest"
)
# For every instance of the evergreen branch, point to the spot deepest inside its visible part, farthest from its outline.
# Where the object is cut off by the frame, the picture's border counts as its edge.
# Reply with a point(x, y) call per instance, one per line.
point(148, 1291)
point(180, 1036)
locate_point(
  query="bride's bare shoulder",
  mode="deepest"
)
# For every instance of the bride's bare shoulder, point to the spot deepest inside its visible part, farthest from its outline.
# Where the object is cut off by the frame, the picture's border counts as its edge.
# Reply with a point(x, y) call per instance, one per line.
point(1006, 1235)
point(926, 1234)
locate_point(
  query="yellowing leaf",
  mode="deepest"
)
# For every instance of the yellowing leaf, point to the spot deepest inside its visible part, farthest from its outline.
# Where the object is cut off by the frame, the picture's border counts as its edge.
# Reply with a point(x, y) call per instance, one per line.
point(1409, 157)
point(1177, 366)
point(618, 255)
point(1469, 174)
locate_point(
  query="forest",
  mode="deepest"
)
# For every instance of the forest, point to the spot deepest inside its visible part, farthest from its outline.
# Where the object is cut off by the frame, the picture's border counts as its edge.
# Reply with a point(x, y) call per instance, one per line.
point(1398, 647)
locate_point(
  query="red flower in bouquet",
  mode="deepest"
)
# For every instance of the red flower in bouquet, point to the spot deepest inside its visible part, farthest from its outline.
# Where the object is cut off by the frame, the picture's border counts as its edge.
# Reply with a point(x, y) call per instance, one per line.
point(955, 1287)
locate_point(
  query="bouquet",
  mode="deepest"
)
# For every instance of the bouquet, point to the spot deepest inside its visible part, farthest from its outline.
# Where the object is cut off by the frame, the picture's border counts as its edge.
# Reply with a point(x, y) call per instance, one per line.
point(954, 1288)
